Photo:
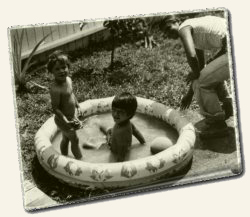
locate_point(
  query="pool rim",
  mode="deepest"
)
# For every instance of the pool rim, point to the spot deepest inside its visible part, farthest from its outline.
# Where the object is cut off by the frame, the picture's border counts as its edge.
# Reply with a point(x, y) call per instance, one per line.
point(129, 173)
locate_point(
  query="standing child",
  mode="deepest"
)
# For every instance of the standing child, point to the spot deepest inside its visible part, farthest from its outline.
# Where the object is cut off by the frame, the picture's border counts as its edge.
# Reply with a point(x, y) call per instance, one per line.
point(64, 103)
point(120, 136)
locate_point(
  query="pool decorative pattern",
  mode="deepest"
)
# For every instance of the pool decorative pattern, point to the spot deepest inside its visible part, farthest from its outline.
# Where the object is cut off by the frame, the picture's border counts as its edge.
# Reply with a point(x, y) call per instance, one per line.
point(100, 175)
point(153, 167)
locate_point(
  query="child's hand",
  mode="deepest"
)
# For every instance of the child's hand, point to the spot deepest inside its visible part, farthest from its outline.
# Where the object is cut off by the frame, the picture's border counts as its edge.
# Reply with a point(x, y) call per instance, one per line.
point(71, 125)
point(76, 124)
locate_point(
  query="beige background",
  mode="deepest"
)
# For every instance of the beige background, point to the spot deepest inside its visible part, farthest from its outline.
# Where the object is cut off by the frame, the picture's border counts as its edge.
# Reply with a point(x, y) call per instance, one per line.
point(228, 197)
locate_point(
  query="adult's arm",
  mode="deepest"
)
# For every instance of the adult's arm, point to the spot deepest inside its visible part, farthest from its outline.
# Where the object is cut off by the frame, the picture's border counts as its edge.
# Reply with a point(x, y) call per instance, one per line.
point(186, 37)
point(201, 58)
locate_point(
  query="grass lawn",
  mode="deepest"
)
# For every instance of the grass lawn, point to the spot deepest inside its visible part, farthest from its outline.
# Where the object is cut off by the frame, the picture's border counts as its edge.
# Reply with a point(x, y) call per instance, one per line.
point(156, 74)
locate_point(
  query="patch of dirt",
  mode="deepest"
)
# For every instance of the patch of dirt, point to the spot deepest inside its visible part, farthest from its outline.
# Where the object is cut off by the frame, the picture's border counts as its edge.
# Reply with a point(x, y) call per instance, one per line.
point(215, 157)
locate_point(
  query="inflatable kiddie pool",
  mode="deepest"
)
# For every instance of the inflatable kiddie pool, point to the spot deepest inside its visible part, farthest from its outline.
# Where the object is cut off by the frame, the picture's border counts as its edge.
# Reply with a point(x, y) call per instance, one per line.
point(123, 174)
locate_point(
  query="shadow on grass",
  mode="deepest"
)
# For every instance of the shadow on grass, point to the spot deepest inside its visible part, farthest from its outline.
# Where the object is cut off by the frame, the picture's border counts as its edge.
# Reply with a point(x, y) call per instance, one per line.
point(225, 144)
point(65, 194)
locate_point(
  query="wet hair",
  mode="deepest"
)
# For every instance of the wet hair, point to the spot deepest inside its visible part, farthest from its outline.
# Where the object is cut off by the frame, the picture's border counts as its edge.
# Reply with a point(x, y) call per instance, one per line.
point(126, 102)
point(57, 56)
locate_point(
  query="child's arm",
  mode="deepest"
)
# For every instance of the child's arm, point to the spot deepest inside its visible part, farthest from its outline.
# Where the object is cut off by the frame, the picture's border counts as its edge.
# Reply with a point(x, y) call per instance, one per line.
point(76, 102)
point(77, 106)
point(107, 132)
point(138, 134)
point(79, 112)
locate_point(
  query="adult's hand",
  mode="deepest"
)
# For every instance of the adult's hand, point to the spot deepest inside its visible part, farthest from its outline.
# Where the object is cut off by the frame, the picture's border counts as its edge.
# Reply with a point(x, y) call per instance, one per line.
point(186, 101)
point(191, 76)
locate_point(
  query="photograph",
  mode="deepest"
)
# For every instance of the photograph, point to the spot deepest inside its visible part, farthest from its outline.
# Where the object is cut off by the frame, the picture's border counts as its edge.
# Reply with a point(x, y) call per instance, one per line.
point(120, 106)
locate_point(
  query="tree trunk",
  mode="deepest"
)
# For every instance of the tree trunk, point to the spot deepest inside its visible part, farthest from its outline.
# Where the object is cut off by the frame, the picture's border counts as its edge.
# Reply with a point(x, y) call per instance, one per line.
point(112, 53)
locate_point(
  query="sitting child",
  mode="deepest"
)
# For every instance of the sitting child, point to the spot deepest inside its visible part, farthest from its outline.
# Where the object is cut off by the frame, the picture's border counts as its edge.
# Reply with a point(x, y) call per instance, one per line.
point(64, 103)
point(120, 136)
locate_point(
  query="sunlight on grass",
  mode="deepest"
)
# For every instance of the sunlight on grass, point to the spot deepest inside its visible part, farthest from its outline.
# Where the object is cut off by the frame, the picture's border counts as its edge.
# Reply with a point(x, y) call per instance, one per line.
point(156, 74)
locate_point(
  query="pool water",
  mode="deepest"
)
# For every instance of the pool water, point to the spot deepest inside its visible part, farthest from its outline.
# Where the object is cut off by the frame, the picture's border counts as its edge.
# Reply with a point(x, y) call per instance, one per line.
point(150, 127)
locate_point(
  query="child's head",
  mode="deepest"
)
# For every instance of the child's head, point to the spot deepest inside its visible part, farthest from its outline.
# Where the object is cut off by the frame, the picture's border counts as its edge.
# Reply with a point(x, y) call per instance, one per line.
point(58, 64)
point(124, 107)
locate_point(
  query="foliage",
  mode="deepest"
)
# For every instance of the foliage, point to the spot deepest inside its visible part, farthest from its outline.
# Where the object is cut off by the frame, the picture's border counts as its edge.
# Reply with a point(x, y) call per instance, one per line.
point(124, 30)
point(156, 74)
point(20, 70)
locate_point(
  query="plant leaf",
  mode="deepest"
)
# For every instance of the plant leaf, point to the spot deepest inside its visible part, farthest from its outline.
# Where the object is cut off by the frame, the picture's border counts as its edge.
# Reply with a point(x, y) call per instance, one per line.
point(20, 43)
point(27, 63)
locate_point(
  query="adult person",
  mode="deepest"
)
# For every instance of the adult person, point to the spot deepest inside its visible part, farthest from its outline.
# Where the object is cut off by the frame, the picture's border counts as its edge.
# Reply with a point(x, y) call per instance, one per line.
point(207, 80)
